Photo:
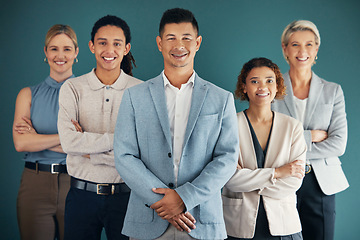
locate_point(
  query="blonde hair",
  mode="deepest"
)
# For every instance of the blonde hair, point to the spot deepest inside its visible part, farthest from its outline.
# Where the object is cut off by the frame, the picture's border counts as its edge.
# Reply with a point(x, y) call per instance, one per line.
point(299, 25)
point(61, 29)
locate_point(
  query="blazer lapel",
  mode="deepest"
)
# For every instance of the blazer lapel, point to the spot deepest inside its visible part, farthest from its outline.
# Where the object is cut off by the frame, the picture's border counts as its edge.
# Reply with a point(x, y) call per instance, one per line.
point(247, 149)
point(316, 88)
point(288, 99)
point(157, 92)
point(198, 97)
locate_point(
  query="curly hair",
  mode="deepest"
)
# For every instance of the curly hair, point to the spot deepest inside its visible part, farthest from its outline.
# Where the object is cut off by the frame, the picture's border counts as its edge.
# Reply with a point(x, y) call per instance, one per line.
point(256, 63)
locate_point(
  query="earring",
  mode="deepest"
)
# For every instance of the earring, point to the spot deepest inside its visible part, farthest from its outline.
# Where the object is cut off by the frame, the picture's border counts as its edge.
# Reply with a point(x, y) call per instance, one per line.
point(76, 60)
point(45, 60)
point(316, 58)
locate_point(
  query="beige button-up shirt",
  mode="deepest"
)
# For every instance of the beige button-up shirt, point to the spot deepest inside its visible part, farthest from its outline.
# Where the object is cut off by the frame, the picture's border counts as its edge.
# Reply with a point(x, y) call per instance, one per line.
point(95, 106)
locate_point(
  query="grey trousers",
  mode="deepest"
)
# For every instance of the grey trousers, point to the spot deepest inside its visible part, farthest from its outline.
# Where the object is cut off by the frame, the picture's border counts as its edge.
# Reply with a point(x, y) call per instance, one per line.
point(172, 234)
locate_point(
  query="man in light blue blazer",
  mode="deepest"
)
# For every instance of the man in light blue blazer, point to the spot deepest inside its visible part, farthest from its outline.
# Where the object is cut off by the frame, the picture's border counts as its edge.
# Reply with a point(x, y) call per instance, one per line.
point(176, 143)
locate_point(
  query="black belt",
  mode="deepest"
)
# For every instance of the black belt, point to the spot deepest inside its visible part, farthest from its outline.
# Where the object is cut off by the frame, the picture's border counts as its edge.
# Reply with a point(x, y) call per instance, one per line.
point(100, 188)
point(52, 168)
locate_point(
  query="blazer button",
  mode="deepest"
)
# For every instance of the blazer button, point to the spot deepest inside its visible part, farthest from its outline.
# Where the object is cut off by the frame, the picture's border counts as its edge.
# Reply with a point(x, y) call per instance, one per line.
point(169, 155)
point(171, 185)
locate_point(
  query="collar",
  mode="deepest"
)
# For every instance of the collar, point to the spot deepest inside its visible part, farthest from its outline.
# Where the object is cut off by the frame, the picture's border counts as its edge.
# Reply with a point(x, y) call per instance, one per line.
point(96, 84)
point(54, 84)
point(167, 82)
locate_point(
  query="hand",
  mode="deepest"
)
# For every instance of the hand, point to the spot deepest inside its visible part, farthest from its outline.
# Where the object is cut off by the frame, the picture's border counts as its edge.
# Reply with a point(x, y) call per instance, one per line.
point(238, 167)
point(25, 126)
point(77, 126)
point(183, 222)
point(170, 205)
point(293, 169)
point(318, 135)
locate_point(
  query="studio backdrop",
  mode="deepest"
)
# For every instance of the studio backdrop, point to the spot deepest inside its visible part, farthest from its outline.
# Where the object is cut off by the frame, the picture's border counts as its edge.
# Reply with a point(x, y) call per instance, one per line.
point(233, 31)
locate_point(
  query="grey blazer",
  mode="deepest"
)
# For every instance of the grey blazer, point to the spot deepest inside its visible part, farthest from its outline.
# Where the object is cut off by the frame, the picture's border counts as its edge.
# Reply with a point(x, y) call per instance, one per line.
point(325, 110)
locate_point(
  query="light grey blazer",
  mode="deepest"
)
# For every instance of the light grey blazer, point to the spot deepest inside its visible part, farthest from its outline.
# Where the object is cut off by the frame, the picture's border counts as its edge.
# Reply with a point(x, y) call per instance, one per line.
point(144, 159)
point(325, 110)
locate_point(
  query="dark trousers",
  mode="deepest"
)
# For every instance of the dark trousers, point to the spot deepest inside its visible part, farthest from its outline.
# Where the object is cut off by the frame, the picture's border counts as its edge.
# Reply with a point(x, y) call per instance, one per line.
point(316, 210)
point(41, 205)
point(87, 213)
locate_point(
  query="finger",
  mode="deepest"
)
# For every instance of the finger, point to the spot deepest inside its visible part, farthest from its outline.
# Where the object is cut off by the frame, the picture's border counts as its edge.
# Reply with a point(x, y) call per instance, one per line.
point(159, 190)
point(175, 224)
point(183, 225)
point(77, 127)
point(297, 162)
point(27, 120)
point(156, 205)
point(159, 210)
point(300, 174)
point(190, 217)
point(22, 124)
point(22, 128)
point(21, 131)
point(187, 221)
point(163, 213)
point(165, 216)
point(75, 123)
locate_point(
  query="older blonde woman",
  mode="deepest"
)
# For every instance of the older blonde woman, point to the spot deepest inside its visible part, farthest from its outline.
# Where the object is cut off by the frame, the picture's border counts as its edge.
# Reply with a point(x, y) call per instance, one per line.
point(320, 106)
point(45, 182)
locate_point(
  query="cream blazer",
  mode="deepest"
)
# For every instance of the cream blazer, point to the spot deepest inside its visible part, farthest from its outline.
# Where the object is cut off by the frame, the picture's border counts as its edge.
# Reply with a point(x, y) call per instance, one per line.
point(241, 195)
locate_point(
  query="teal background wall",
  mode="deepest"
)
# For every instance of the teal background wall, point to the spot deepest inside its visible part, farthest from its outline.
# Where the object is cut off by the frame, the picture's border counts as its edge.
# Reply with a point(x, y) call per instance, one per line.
point(233, 32)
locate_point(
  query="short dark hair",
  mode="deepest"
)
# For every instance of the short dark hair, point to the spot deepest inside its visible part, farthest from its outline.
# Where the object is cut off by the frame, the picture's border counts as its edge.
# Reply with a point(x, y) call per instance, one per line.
point(110, 20)
point(177, 15)
point(255, 63)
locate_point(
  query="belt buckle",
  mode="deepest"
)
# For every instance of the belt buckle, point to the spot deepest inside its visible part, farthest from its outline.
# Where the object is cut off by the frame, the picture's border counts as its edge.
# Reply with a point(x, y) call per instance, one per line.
point(307, 168)
point(52, 170)
point(101, 185)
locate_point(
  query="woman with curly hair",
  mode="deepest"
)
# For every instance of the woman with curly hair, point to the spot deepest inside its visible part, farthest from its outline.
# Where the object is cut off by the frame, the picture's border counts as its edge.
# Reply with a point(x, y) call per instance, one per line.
point(259, 201)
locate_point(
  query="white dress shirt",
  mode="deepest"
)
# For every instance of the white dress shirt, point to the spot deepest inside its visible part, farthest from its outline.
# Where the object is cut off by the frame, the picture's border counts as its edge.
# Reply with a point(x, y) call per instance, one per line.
point(178, 102)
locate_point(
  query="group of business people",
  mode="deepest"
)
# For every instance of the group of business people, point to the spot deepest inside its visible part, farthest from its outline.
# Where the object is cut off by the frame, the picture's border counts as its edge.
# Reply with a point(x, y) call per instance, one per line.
point(169, 158)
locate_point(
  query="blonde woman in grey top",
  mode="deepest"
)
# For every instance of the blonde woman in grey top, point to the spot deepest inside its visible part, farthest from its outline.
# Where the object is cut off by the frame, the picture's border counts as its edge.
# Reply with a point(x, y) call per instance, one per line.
point(325, 129)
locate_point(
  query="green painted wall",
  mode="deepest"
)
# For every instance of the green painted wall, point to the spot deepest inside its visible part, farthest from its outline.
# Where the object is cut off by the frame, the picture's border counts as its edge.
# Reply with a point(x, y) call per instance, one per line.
point(233, 32)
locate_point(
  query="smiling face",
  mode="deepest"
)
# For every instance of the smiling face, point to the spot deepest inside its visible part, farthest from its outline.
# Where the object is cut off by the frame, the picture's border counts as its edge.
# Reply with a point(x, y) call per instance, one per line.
point(109, 47)
point(178, 44)
point(301, 49)
point(60, 53)
point(260, 85)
